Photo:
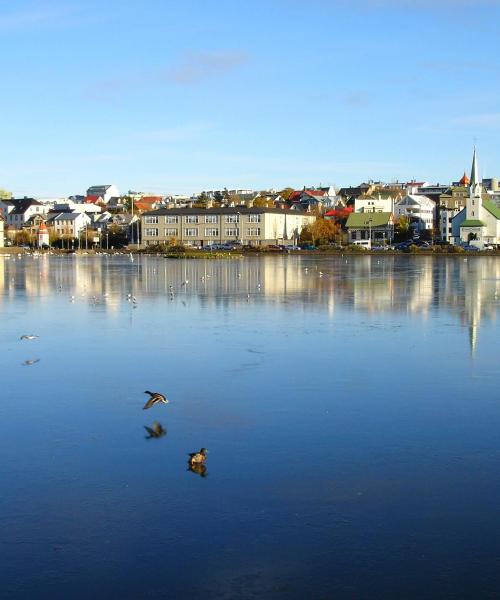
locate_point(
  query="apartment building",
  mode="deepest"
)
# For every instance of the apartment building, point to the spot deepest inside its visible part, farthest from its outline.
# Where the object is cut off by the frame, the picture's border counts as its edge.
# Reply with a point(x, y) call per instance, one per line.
point(203, 227)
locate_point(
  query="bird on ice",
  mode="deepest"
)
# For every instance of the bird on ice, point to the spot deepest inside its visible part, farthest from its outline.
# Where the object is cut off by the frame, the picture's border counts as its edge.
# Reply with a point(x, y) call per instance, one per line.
point(154, 398)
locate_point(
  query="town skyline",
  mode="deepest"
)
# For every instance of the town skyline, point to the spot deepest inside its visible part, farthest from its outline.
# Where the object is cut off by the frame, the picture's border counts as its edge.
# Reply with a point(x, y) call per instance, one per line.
point(182, 98)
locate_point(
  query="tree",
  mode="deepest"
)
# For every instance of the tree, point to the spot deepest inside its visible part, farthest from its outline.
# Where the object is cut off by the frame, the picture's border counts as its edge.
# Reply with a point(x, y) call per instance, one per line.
point(225, 194)
point(203, 200)
point(218, 197)
point(323, 231)
point(402, 228)
point(286, 193)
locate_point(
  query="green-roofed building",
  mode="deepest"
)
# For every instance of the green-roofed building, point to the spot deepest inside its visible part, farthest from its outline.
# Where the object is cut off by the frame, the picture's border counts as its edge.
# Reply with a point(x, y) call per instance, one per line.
point(479, 222)
point(370, 228)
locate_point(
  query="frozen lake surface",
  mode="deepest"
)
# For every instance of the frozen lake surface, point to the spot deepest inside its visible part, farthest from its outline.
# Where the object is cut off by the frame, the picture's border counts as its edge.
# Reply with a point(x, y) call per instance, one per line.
point(351, 408)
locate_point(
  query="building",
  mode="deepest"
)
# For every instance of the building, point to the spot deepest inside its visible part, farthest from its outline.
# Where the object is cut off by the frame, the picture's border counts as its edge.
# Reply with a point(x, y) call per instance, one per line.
point(106, 192)
point(419, 210)
point(378, 202)
point(43, 235)
point(69, 224)
point(204, 227)
point(449, 205)
point(17, 212)
point(365, 229)
point(2, 234)
point(479, 222)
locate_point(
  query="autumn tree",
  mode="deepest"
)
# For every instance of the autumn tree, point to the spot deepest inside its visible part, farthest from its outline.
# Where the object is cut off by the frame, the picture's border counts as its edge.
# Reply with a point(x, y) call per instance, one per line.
point(323, 231)
point(286, 193)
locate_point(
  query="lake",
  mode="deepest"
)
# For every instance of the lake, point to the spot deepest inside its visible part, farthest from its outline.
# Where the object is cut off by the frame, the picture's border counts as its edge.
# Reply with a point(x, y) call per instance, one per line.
point(350, 406)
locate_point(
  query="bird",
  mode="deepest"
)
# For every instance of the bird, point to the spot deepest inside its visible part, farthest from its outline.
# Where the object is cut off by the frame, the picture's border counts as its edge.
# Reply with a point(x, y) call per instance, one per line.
point(29, 337)
point(155, 398)
point(28, 363)
point(185, 282)
point(197, 458)
point(156, 431)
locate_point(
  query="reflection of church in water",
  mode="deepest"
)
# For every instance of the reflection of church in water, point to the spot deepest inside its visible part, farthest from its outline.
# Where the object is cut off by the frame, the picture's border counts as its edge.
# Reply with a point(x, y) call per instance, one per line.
point(481, 279)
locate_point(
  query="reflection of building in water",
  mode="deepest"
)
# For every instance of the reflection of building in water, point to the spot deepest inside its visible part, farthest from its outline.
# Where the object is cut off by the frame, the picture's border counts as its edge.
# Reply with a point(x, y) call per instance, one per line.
point(481, 282)
point(370, 284)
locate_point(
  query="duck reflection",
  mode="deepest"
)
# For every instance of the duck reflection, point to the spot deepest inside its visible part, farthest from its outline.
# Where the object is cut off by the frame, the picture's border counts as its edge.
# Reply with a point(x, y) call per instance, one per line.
point(155, 431)
point(198, 468)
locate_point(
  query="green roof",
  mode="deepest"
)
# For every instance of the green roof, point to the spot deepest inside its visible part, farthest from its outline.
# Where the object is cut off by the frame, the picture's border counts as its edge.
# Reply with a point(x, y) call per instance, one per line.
point(377, 219)
point(472, 223)
point(491, 208)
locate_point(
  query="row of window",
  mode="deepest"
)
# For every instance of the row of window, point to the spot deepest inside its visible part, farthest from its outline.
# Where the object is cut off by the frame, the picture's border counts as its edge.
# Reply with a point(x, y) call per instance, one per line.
point(209, 232)
point(195, 219)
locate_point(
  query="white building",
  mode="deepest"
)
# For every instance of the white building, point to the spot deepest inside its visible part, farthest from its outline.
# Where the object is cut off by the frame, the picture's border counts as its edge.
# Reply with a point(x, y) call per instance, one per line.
point(70, 224)
point(419, 210)
point(17, 212)
point(375, 203)
point(479, 222)
point(106, 192)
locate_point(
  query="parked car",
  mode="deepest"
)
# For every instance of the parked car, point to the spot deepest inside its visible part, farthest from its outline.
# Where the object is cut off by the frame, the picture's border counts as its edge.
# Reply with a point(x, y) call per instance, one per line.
point(470, 248)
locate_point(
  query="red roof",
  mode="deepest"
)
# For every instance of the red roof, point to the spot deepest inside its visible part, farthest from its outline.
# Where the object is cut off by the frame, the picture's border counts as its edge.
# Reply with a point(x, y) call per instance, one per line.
point(151, 199)
point(140, 205)
point(42, 228)
point(340, 212)
point(315, 192)
point(465, 180)
point(92, 199)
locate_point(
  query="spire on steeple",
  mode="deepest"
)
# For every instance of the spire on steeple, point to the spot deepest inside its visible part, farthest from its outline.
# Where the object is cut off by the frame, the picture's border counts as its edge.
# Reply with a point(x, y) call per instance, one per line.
point(474, 176)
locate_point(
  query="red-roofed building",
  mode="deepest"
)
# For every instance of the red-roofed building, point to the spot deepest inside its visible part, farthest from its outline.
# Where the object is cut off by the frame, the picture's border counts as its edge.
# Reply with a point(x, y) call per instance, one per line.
point(465, 180)
point(94, 200)
point(43, 235)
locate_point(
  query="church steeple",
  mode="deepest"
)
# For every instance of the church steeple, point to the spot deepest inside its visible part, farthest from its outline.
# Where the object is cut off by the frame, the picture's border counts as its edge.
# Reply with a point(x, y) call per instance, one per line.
point(474, 176)
point(474, 202)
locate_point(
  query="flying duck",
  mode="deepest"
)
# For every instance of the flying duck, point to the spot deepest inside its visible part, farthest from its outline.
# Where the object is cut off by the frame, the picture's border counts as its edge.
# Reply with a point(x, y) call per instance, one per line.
point(28, 337)
point(155, 398)
point(198, 458)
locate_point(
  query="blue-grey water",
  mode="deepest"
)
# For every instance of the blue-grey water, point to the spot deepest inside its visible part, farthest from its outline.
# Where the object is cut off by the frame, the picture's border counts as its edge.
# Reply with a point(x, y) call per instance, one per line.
point(350, 406)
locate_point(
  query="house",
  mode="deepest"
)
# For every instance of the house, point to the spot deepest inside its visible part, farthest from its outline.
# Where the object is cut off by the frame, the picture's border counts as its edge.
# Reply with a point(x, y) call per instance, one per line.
point(254, 226)
point(479, 222)
point(419, 210)
point(94, 199)
point(449, 205)
point(378, 202)
point(106, 192)
point(365, 228)
point(16, 212)
point(2, 233)
point(69, 224)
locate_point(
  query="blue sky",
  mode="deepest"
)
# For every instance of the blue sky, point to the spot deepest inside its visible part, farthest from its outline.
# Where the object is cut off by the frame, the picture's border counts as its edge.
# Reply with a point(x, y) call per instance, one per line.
point(177, 97)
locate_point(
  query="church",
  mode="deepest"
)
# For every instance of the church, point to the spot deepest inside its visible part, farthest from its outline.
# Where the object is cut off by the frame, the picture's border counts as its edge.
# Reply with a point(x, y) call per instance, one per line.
point(478, 223)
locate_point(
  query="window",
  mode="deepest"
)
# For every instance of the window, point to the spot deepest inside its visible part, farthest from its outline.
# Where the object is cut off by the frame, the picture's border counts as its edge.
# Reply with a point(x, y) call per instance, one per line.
point(151, 220)
point(232, 232)
point(254, 218)
point(232, 218)
point(211, 219)
point(170, 231)
point(151, 232)
point(211, 231)
point(171, 219)
point(191, 232)
point(253, 231)
point(192, 219)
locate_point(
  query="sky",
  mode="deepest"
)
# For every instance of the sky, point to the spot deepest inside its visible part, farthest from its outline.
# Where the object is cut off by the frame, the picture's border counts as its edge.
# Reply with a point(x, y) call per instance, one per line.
point(179, 97)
